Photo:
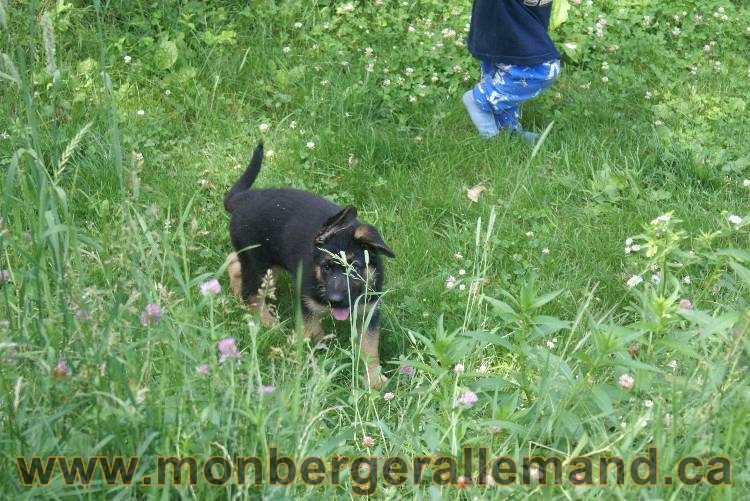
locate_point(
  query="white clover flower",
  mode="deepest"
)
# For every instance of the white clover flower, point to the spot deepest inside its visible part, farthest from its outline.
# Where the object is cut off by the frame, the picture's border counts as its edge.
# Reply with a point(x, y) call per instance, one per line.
point(648, 404)
point(635, 247)
point(628, 250)
point(167, 92)
point(735, 220)
point(310, 145)
point(462, 287)
point(629, 242)
point(655, 279)
point(293, 124)
point(605, 79)
point(648, 95)
point(529, 233)
point(389, 396)
point(746, 182)
point(459, 369)
point(462, 272)
point(672, 364)
point(605, 65)
point(409, 71)
point(626, 382)
point(263, 127)
point(140, 113)
point(286, 49)
point(450, 282)
point(634, 280)
point(545, 251)
point(127, 59)
point(686, 280)
point(298, 25)
point(676, 31)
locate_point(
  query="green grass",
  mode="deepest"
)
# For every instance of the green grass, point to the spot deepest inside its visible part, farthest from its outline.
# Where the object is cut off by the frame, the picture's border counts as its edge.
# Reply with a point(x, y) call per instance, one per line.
point(110, 233)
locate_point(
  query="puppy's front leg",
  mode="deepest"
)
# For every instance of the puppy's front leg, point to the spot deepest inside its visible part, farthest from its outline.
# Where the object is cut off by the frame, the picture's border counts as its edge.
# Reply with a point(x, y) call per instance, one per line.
point(254, 302)
point(311, 327)
point(369, 343)
point(234, 269)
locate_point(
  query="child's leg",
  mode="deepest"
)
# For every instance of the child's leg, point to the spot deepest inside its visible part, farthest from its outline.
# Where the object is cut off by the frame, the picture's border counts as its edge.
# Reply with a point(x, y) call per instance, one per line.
point(505, 87)
point(483, 120)
point(480, 111)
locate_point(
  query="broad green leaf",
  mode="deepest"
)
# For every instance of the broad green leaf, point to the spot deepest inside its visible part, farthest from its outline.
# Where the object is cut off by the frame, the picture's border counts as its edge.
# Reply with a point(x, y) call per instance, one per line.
point(491, 384)
point(602, 399)
point(166, 55)
point(546, 298)
point(740, 270)
point(680, 347)
point(488, 337)
point(559, 14)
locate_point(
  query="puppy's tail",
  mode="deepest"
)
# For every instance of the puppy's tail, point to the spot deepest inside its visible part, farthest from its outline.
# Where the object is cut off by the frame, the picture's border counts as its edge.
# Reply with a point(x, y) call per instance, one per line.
point(247, 179)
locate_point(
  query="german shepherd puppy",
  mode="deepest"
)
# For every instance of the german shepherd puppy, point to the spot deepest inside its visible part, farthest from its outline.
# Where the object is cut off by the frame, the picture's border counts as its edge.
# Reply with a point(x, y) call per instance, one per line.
point(339, 256)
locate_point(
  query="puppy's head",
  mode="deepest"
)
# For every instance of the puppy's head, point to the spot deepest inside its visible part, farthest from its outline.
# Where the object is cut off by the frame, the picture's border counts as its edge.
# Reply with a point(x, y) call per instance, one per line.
point(342, 270)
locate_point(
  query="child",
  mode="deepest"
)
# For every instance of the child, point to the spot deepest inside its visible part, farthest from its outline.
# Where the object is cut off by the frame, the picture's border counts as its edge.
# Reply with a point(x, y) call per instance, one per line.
point(519, 61)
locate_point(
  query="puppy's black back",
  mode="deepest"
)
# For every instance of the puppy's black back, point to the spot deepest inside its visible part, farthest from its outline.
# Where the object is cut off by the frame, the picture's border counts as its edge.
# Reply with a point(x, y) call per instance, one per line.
point(282, 222)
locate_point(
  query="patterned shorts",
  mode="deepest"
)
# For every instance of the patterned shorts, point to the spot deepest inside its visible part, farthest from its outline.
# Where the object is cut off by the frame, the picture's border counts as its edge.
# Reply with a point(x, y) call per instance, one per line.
point(504, 87)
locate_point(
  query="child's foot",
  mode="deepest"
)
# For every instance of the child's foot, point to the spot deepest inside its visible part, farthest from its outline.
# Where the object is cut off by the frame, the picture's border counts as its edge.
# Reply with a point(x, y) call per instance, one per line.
point(484, 121)
point(529, 137)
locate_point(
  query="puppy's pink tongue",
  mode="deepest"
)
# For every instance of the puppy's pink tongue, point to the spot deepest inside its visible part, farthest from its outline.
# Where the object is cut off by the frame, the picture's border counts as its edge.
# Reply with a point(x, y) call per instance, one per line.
point(340, 313)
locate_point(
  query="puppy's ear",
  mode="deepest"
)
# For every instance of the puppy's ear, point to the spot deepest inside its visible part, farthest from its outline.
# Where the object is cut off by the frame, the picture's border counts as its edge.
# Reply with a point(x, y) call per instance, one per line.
point(368, 236)
point(336, 223)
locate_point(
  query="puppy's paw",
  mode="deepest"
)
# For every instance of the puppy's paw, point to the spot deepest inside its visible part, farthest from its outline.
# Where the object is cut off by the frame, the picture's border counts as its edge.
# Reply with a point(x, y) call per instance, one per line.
point(374, 379)
point(258, 307)
point(266, 318)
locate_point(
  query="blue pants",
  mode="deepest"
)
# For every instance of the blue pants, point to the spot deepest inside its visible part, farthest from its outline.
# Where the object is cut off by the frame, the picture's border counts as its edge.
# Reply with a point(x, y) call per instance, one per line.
point(504, 87)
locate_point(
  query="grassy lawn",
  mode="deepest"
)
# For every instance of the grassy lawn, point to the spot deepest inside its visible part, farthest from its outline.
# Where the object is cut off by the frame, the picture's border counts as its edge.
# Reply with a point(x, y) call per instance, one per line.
point(595, 299)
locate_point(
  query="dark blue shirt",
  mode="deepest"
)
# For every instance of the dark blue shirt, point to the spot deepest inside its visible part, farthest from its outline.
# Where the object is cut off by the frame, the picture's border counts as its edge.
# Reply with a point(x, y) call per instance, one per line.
point(511, 31)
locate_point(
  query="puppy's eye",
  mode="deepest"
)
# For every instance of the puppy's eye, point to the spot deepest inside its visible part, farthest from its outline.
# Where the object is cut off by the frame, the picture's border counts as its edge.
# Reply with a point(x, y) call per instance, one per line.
point(326, 266)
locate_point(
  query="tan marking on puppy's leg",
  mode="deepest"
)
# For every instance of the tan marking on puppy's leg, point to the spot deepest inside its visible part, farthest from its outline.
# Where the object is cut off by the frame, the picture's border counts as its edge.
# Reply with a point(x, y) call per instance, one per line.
point(234, 270)
point(256, 305)
point(311, 328)
point(369, 347)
